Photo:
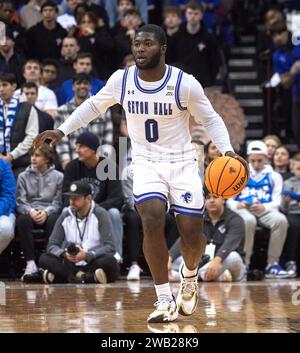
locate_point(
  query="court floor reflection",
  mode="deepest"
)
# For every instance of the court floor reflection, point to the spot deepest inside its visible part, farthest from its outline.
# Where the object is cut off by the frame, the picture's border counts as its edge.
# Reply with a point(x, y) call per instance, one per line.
point(268, 306)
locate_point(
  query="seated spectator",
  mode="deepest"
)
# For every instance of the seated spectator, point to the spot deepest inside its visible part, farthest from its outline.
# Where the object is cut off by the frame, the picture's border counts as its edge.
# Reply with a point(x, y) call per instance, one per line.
point(49, 75)
point(201, 56)
point(286, 62)
point(46, 100)
point(102, 126)
point(172, 21)
point(97, 41)
point(259, 203)
point(30, 91)
point(18, 123)
point(291, 207)
point(30, 14)
point(7, 16)
point(281, 162)
point(225, 233)
point(81, 247)
point(7, 205)
point(69, 51)
point(265, 45)
point(272, 142)
point(10, 60)
point(107, 188)
point(38, 201)
point(45, 38)
point(124, 35)
point(98, 10)
point(117, 8)
point(83, 64)
point(211, 152)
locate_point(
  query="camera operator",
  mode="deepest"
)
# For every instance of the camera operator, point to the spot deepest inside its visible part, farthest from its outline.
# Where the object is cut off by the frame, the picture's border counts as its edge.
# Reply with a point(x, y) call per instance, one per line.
point(81, 246)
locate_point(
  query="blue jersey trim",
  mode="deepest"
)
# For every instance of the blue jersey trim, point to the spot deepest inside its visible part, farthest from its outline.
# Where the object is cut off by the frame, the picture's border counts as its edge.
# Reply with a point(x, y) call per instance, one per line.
point(177, 87)
point(151, 91)
point(188, 208)
point(123, 86)
point(147, 194)
point(149, 198)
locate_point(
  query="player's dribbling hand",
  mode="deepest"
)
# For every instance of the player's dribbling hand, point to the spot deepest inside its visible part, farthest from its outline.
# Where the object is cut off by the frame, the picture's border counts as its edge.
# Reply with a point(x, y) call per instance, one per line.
point(241, 159)
point(54, 135)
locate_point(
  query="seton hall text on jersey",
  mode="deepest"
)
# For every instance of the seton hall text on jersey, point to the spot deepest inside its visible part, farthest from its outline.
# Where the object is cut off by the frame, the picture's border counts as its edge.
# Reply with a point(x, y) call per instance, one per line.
point(139, 107)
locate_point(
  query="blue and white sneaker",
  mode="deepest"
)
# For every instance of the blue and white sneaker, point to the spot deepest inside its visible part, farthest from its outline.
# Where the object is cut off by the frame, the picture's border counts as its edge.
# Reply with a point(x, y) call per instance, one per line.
point(275, 271)
point(291, 269)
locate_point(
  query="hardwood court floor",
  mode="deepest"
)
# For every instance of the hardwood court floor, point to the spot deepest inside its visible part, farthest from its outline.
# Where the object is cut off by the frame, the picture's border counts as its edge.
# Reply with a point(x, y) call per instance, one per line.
point(123, 307)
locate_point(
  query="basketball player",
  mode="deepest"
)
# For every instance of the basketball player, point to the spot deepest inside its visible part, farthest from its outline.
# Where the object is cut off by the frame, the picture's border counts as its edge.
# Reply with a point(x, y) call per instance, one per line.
point(158, 100)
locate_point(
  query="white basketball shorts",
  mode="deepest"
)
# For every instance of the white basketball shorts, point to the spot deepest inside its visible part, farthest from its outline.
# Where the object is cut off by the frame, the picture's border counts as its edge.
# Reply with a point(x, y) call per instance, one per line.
point(177, 183)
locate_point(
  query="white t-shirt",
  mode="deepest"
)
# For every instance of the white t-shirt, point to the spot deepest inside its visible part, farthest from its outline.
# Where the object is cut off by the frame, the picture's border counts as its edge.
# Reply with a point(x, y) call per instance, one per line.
point(46, 99)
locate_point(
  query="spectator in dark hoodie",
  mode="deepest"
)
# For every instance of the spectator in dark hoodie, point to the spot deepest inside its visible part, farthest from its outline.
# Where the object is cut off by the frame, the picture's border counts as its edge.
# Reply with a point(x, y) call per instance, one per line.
point(38, 201)
point(201, 54)
point(102, 174)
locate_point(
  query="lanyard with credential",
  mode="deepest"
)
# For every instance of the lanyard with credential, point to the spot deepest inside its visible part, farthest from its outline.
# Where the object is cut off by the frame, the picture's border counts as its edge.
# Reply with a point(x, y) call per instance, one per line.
point(81, 235)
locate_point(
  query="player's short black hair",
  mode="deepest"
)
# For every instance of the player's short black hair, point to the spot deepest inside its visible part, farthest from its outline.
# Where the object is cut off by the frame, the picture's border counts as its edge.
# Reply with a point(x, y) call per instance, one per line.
point(159, 33)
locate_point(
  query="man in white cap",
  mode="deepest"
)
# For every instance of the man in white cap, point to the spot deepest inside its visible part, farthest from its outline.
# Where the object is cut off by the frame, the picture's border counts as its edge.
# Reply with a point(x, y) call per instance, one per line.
point(259, 203)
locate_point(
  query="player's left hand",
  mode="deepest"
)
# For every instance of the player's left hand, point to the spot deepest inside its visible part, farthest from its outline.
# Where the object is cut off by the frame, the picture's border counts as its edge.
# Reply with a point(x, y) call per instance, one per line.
point(242, 160)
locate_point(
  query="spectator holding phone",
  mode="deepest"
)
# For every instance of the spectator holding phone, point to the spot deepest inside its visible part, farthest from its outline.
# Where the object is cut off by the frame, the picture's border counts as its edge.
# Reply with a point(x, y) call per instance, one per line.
point(259, 203)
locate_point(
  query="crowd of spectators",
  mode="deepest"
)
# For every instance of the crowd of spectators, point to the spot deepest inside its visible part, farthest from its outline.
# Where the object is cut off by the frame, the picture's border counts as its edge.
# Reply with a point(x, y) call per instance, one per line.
point(58, 53)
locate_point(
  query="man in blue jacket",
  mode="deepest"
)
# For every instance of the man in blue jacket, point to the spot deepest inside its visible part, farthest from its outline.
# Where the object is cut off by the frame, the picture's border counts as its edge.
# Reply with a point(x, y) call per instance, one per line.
point(7, 204)
point(286, 62)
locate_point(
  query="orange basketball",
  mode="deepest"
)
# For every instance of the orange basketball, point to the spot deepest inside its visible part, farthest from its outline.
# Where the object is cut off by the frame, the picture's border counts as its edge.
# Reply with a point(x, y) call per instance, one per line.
point(225, 177)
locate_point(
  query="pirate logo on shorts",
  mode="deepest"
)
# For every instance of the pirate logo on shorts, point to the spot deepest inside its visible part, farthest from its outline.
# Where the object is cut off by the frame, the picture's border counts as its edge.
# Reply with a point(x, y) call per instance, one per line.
point(187, 197)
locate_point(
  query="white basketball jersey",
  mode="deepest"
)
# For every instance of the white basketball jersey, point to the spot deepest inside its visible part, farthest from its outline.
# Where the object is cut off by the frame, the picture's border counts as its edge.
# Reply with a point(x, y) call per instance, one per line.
point(158, 125)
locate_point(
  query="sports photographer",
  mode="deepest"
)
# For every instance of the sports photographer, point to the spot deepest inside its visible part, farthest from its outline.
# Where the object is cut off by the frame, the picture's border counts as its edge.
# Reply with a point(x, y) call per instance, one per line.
point(81, 246)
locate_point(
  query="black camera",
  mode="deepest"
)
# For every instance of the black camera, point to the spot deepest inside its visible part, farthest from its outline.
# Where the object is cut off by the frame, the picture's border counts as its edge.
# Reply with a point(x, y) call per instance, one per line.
point(255, 275)
point(72, 249)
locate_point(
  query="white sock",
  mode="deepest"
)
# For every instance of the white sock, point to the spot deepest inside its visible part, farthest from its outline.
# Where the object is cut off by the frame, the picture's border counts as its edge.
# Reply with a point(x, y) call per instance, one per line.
point(163, 289)
point(189, 273)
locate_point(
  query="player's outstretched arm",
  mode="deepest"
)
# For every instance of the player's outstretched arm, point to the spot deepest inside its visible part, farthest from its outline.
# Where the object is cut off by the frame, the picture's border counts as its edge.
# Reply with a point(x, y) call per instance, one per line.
point(54, 135)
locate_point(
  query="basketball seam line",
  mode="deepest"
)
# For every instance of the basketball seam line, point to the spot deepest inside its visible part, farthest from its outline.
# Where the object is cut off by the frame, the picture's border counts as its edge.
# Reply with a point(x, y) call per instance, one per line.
point(221, 174)
point(233, 181)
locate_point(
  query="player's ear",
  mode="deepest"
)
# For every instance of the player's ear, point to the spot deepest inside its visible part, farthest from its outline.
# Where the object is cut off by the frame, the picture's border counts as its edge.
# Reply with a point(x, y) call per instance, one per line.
point(163, 49)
